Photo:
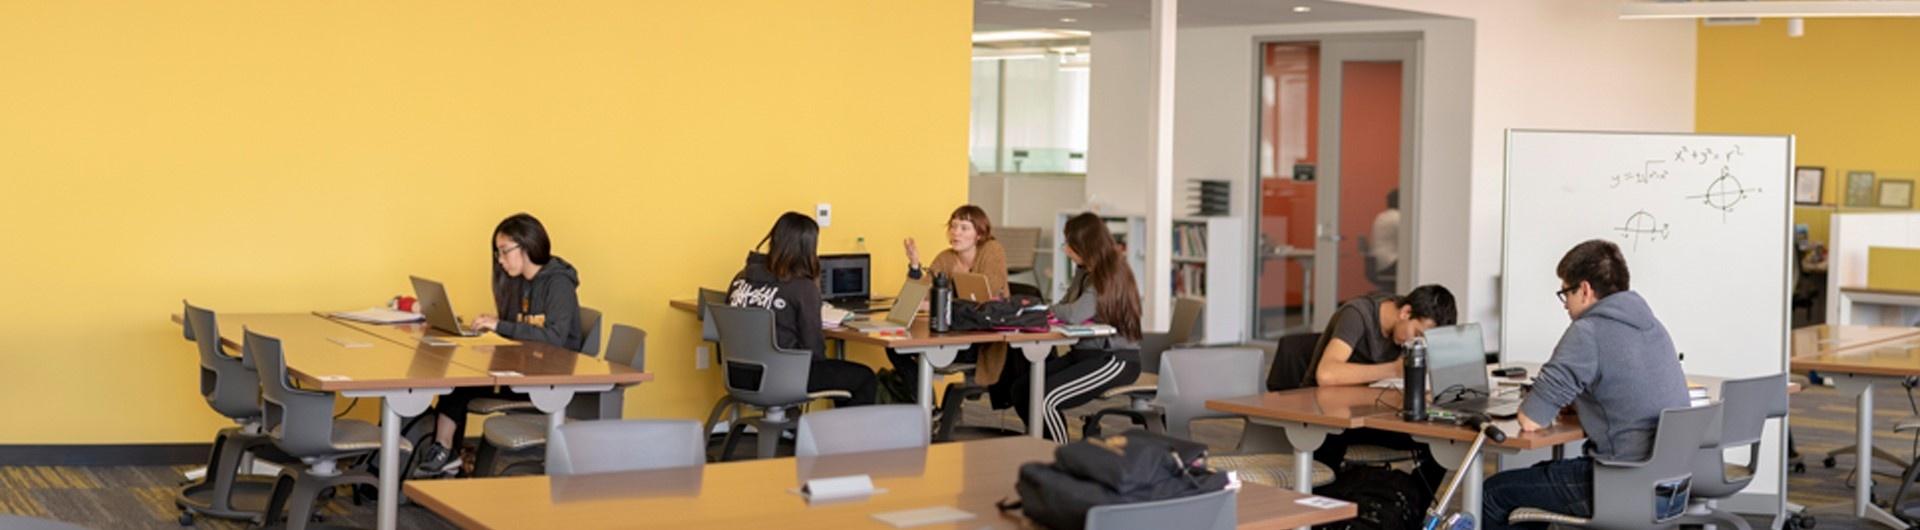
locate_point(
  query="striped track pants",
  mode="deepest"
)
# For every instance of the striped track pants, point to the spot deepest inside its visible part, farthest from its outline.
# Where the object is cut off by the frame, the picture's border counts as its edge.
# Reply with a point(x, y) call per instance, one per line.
point(1073, 380)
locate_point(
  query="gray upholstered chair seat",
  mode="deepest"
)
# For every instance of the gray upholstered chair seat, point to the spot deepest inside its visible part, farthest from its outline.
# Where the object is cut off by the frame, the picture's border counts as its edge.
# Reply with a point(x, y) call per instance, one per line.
point(498, 405)
point(514, 432)
point(1536, 515)
point(1144, 391)
point(1274, 470)
point(356, 435)
point(1377, 455)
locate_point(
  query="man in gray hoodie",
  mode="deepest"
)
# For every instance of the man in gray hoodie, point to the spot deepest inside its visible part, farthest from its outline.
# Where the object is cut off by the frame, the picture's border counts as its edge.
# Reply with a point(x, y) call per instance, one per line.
point(1617, 363)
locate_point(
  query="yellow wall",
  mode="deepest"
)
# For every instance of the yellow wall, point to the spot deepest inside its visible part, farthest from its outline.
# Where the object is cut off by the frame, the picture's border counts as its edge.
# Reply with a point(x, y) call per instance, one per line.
point(1845, 90)
point(288, 156)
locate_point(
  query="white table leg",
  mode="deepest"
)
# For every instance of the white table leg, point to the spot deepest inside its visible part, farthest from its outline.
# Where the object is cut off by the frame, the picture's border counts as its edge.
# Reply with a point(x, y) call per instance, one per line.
point(931, 357)
point(1037, 353)
point(553, 400)
point(1863, 453)
point(395, 406)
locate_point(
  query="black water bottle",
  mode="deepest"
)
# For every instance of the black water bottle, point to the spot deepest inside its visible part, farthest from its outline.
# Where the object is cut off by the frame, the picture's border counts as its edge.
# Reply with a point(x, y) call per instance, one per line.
point(940, 310)
point(1414, 392)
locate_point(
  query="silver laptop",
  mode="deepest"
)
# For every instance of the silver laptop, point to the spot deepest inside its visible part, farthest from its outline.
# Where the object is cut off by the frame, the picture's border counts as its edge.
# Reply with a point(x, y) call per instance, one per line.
point(439, 312)
point(1457, 373)
point(901, 316)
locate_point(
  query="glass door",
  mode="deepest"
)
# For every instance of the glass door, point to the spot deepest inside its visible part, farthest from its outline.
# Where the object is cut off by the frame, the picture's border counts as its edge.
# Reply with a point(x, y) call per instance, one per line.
point(1366, 132)
point(1287, 152)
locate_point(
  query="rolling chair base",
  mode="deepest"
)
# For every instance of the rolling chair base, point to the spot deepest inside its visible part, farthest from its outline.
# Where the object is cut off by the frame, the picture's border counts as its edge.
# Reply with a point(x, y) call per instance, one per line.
point(1152, 420)
point(245, 501)
point(246, 496)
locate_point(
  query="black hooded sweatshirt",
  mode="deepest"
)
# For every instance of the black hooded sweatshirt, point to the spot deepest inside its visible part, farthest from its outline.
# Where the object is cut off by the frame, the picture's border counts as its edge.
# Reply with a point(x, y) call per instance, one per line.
point(543, 309)
point(795, 304)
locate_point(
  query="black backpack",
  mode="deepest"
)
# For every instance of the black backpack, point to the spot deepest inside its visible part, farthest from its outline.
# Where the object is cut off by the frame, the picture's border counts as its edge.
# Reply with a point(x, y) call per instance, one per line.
point(1135, 466)
point(1387, 499)
point(1018, 311)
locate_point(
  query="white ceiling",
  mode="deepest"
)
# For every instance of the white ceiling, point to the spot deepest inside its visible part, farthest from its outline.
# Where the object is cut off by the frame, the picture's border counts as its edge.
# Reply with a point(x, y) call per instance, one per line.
point(1109, 15)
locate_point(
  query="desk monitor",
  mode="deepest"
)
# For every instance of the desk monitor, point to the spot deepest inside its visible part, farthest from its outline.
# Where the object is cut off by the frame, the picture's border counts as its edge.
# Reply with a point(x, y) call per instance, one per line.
point(845, 277)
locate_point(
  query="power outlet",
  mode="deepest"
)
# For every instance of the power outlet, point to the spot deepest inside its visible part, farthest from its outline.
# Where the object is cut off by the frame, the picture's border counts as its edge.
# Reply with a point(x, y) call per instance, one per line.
point(701, 360)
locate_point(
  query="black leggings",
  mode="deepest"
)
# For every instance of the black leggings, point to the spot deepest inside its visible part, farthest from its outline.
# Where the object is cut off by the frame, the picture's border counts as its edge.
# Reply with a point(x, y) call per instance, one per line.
point(834, 374)
point(1073, 380)
point(454, 405)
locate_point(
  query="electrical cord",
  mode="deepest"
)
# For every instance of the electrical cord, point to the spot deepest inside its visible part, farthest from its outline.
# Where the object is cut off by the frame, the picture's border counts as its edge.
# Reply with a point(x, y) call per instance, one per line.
point(350, 404)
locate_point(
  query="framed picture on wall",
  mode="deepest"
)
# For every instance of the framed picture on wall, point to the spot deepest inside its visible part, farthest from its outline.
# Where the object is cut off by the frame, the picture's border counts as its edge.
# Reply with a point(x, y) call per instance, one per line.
point(1860, 188)
point(1809, 185)
point(1896, 193)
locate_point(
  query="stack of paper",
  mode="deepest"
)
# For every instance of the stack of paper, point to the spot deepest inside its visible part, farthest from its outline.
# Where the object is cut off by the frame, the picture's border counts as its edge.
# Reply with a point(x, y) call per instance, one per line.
point(378, 315)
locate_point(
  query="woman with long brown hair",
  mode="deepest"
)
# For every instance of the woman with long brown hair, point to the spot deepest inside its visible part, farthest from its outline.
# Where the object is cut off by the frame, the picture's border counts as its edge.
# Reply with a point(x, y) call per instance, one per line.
point(1102, 292)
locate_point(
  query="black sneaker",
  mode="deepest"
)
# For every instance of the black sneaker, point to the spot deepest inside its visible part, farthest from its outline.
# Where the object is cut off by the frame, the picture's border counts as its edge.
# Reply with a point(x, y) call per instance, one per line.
point(438, 460)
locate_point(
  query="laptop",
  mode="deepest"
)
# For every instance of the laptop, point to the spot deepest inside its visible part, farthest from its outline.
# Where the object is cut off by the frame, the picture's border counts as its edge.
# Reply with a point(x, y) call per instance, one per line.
point(972, 287)
point(901, 316)
point(439, 312)
point(845, 280)
point(1457, 373)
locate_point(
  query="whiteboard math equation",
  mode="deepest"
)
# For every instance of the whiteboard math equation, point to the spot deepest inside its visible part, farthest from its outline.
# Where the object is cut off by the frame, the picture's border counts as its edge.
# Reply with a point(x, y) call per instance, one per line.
point(1643, 226)
point(1646, 175)
point(1701, 156)
point(1725, 192)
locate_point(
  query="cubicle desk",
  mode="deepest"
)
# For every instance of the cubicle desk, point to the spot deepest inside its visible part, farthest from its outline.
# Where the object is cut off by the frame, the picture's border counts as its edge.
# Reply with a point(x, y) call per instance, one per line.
point(392, 365)
point(939, 349)
point(1856, 371)
point(1877, 306)
point(970, 476)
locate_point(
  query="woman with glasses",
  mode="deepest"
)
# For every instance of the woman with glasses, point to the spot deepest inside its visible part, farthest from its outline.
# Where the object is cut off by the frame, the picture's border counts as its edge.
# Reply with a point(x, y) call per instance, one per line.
point(535, 298)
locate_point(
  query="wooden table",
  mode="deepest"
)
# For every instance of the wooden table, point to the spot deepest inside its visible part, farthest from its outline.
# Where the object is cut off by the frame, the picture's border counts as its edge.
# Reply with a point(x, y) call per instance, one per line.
point(1308, 415)
point(1820, 339)
point(405, 374)
point(970, 476)
point(935, 350)
point(1856, 371)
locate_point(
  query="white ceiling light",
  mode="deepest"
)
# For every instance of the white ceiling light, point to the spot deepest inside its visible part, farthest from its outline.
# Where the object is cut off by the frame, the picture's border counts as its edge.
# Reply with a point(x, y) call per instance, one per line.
point(1302, 9)
point(1069, 20)
point(1028, 34)
point(1771, 9)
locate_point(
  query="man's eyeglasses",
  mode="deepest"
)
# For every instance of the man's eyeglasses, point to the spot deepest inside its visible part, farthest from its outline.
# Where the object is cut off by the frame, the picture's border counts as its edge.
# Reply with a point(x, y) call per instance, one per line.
point(1562, 294)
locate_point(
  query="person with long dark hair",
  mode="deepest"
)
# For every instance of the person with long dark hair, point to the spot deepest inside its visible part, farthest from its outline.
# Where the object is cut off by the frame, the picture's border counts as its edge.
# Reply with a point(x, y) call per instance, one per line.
point(536, 299)
point(1102, 292)
point(785, 280)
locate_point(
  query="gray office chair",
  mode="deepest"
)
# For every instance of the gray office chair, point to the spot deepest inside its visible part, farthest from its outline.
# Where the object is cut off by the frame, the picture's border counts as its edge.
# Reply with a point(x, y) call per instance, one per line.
point(861, 429)
point(1207, 511)
point(762, 376)
point(517, 434)
point(232, 387)
point(1746, 405)
point(609, 446)
point(1624, 493)
point(1140, 396)
point(16, 522)
point(590, 345)
point(303, 426)
point(1189, 377)
point(710, 332)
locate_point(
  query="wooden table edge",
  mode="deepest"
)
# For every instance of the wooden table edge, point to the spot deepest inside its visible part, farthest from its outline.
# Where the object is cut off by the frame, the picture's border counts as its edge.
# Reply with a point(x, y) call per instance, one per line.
point(1352, 422)
point(438, 507)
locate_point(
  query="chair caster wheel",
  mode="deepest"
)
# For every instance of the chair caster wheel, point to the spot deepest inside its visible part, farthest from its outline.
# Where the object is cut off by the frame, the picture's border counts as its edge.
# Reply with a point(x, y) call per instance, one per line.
point(1828, 462)
point(1802, 522)
point(1799, 468)
point(186, 519)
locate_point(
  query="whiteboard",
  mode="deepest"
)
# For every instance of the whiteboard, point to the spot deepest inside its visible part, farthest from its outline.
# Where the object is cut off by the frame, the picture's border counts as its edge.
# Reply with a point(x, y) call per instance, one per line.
point(1703, 221)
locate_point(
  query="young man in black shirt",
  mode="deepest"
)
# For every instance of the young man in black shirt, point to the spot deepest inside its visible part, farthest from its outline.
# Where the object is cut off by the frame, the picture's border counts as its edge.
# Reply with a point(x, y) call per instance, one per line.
point(1363, 344)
